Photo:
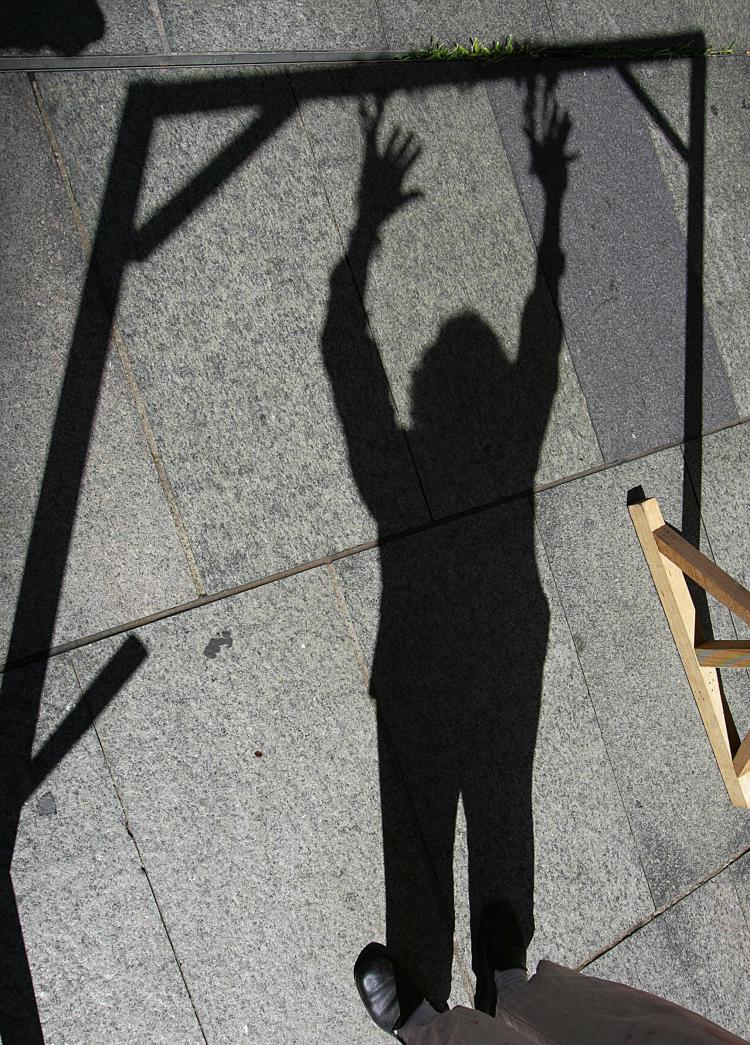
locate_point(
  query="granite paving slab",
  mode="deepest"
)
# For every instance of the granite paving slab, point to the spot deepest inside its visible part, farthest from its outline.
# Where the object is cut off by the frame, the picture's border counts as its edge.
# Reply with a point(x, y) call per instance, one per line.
point(721, 21)
point(695, 954)
point(124, 558)
point(224, 321)
point(411, 24)
point(480, 692)
point(79, 27)
point(623, 293)
point(477, 365)
point(677, 806)
point(245, 754)
point(273, 25)
point(727, 184)
point(101, 961)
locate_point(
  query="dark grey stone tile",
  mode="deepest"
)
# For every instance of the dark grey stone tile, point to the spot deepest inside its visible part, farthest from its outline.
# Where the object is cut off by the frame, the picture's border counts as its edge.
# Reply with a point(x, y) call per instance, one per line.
point(273, 25)
point(721, 21)
point(726, 253)
point(412, 24)
point(478, 369)
point(677, 806)
point(102, 965)
point(695, 954)
point(224, 322)
point(245, 754)
point(480, 692)
point(124, 558)
point(78, 27)
point(623, 294)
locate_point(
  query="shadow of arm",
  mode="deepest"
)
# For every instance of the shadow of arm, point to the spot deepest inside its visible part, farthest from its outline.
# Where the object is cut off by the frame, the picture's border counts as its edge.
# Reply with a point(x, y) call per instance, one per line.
point(352, 360)
point(541, 330)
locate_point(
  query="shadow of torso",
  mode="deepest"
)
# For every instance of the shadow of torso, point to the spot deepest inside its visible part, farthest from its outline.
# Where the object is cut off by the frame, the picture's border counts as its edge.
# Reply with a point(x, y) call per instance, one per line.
point(461, 645)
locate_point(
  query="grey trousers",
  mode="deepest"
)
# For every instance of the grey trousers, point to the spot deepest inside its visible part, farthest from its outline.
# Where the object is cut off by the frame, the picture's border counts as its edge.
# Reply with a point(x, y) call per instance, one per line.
point(559, 1006)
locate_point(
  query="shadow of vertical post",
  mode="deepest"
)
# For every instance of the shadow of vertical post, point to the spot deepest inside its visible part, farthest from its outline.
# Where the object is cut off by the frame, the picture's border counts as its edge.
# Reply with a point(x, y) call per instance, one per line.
point(694, 321)
point(49, 545)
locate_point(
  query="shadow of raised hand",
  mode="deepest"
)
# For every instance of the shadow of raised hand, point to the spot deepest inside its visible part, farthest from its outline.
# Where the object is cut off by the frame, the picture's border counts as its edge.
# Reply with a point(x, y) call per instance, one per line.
point(381, 191)
point(548, 129)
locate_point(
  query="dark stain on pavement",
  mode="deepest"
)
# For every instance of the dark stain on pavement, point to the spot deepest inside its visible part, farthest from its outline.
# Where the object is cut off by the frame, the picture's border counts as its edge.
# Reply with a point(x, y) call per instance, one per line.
point(213, 649)
point(47, 806)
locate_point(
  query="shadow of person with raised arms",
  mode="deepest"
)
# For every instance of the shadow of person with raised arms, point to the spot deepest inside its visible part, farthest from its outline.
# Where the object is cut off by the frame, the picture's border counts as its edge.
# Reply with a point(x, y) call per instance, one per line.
point(462, 638)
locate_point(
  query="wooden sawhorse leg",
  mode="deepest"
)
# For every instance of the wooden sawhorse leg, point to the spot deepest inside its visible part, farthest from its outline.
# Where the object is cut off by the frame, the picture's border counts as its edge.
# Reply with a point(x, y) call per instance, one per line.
point(670, 558)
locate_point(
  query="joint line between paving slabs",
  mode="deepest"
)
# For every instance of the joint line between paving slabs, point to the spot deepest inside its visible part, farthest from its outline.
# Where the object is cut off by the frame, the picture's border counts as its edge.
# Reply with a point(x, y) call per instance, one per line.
point(344, 553)
point(161, 471)
point(122, 351)
point(668, 906)
point(592, 704)
point(348, 623)
point(382, 24)
point(551, 23)
point(144, 869)
point(153, 6)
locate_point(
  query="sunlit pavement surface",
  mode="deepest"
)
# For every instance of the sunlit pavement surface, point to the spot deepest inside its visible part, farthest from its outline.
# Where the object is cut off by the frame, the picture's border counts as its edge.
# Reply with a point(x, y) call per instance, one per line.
point(340, 473)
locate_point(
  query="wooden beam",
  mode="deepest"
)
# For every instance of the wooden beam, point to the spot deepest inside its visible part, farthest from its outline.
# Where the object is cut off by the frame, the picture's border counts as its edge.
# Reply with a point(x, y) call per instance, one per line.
point(680, 613)
point(704, 572)
point(723, 654)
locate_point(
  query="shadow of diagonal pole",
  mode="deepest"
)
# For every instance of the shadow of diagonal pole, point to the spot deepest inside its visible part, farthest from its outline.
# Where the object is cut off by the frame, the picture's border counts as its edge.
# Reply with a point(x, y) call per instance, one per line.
point(110, 680)
point(19, 1021)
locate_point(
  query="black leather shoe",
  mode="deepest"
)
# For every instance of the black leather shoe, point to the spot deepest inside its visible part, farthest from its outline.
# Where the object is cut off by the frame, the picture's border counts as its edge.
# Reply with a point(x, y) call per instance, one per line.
point(389, 993)
point(501, 945)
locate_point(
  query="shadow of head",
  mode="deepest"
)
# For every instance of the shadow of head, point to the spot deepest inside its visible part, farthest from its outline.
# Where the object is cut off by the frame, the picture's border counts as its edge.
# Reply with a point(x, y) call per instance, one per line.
point(461, 395)
point(64, 26)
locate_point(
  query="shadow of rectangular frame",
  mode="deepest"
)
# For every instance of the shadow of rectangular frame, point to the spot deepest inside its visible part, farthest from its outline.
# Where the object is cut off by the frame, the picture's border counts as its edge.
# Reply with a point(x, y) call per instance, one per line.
point(118, 241)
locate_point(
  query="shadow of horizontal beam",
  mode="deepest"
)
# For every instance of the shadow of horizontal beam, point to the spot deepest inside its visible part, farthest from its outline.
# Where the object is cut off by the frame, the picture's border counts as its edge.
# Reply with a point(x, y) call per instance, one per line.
point(586, 51)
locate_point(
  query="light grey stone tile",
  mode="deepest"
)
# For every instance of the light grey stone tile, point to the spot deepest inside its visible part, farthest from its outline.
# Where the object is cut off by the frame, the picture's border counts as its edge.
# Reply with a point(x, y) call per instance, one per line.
point(224, 322)
point(245, 753)
point(721, 21)
point(726, 252)
point(447, 290)
point(695, 954)
point(478, 684)
point(124, 558)
point(623, 297)
point(674, 795)
point(82, 27)
point(102, 964)
point(412, 24)
point(273, 25)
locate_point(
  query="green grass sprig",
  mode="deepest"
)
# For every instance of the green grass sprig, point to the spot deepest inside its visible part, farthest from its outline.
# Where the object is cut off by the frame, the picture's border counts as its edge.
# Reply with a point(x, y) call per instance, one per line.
point(500, 50)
